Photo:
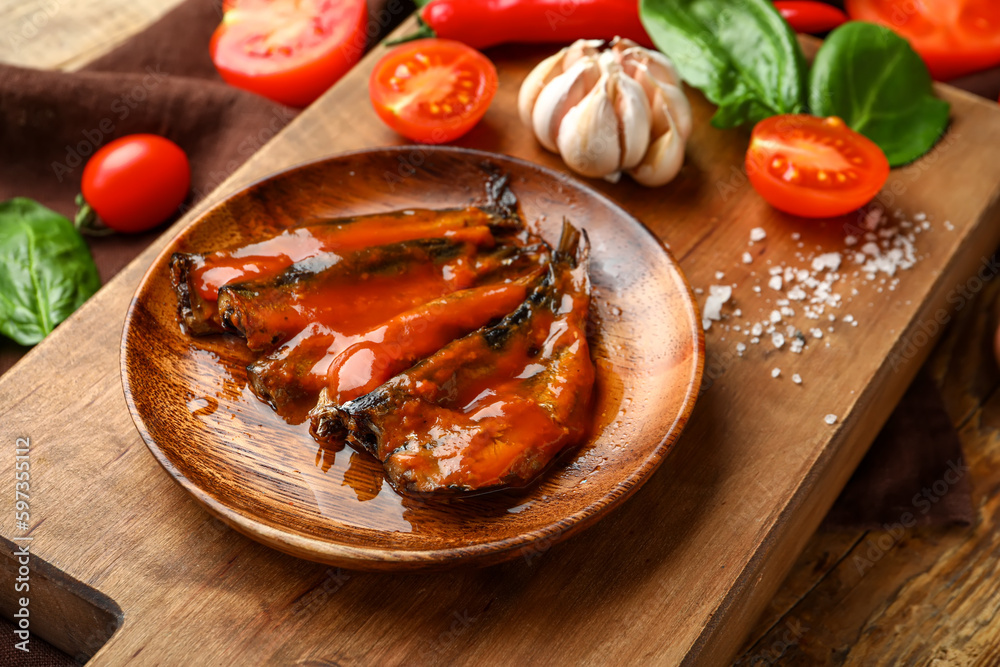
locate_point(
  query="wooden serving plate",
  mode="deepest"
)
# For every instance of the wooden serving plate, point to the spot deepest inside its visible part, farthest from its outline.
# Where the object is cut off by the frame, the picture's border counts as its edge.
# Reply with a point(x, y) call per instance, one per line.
point(271, 481)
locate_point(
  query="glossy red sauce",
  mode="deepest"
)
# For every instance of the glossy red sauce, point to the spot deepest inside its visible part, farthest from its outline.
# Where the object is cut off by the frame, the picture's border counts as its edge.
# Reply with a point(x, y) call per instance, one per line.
point(505, 416)
point(396, 345)
point(271, 256)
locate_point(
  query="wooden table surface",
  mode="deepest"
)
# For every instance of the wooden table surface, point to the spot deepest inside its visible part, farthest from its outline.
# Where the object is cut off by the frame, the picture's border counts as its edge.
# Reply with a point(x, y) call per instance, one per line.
point(854, 596)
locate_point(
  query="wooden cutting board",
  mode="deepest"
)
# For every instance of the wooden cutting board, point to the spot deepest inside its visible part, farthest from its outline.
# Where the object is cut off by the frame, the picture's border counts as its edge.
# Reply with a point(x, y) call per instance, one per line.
point(677, 575)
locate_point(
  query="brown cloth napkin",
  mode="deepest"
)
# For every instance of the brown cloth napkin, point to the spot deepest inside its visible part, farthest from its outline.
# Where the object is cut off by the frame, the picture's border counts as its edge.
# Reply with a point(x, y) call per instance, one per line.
point(163, 82)
point(914, 474)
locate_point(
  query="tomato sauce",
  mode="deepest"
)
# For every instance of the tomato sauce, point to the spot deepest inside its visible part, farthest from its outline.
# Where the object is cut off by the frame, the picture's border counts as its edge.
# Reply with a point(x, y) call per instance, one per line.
point(210, 272)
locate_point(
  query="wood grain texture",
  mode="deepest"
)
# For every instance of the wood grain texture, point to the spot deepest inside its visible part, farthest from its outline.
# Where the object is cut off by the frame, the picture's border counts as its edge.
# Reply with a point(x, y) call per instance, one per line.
point(901, 595)
point(67, 34)
point(270, 480)
point(677, 575)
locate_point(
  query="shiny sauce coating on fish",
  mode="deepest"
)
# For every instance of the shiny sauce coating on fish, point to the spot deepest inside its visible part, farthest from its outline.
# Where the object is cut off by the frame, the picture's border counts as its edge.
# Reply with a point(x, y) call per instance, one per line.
point(493, 408)
point(358, 289)
point(349, 366)
point(198, 277)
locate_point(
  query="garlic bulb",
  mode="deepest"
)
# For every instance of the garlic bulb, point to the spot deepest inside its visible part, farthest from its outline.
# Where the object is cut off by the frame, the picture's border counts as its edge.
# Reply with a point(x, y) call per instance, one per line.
point(609, 111)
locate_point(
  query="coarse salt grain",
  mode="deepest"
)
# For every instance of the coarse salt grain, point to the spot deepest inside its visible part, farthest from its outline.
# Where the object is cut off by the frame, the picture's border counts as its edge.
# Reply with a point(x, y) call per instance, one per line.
point(829, 260)
point(775, 372)
point(775, 283)
point(747, 258)
point(777, 339)
point(830, 419)
point(718, 295)
point(757, 234)
point(797, 379)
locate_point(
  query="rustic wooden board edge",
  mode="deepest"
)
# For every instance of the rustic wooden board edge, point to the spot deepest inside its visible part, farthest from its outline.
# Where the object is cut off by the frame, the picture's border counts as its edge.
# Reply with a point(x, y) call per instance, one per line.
point(845, 451)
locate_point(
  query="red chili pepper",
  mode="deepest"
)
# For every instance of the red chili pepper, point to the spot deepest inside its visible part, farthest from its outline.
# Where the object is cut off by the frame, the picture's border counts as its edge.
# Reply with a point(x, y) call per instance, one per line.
point(810, 17)
point(485, 23)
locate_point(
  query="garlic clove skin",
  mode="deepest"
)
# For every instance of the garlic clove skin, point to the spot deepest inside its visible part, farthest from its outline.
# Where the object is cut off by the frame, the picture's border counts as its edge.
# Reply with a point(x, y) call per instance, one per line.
point(659, 65)
point(549, 69)
point(634, 118)
point(680, 109)
point(663, 160)
point(581, 48)
point(588, 136)
point(536, 80)
point(563, 93)
point(666, 99)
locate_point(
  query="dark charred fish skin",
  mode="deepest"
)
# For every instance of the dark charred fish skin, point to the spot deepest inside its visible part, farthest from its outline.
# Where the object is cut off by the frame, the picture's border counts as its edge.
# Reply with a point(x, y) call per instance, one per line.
point(195, 314)
point(420, 401)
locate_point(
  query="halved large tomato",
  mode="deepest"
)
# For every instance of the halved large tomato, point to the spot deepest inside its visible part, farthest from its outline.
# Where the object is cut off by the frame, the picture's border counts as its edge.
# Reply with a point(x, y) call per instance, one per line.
point(954, 37)
point(432, 90)
point(814, 167)
point(289, 51)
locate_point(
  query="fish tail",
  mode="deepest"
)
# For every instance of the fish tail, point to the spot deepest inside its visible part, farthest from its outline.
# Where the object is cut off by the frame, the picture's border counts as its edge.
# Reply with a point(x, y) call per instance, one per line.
point(328, 422)
point(574, 245)
point(500, 200)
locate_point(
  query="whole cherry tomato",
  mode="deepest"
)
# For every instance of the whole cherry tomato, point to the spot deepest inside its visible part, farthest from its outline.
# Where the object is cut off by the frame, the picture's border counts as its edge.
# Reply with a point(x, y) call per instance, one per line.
point(432, 90)
point(814, 167)
point(136, 182)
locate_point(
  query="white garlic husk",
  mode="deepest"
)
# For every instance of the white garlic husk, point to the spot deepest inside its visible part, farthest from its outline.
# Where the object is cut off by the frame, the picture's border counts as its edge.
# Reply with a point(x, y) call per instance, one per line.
point(609, 111)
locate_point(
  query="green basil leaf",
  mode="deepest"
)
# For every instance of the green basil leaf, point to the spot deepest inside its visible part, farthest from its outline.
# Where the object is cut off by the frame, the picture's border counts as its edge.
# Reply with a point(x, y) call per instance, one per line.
point(871, 78)
point(742, 55)
point(46, 270)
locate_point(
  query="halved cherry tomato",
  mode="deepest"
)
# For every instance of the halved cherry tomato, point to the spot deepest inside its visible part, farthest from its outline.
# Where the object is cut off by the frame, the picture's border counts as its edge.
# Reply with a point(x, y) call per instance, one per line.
point(136, 182)
point(432, 90)
point(810, 16)
point(954, 37)
point(814, 167)
point(289, 51)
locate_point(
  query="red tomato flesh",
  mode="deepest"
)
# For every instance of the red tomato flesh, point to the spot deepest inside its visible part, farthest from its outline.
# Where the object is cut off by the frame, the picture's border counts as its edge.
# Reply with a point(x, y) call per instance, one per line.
point(289, 51)
point(136, 182)
point(954, 37)
point(814, 167)
point(432, 90)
